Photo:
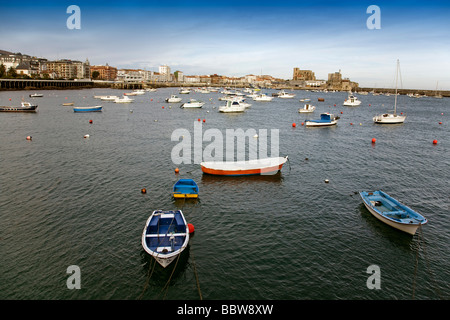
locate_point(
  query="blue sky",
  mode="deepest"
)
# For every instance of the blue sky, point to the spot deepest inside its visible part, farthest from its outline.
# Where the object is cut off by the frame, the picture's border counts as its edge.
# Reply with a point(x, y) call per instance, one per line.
point(236, 38)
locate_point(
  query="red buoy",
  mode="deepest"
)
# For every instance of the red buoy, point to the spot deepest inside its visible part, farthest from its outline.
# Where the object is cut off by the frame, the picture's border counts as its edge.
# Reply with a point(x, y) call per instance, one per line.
point(177, 170)
point(143, 190)
point(294, 125)
point(303, 123)
point(191, 228)
point(198, 119)
point(374, 140)
point(204, 120)
point(163, 107)
point(440, 122)
point(90, 121)
point(434, 141)
point(28, 137)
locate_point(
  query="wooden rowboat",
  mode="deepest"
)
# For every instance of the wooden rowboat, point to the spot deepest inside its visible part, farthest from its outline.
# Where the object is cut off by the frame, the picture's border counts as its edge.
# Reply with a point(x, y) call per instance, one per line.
point(263, 166)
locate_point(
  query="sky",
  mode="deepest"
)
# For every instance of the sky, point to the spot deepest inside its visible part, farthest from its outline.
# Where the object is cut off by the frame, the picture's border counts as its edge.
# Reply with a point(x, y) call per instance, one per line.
point(237, 38)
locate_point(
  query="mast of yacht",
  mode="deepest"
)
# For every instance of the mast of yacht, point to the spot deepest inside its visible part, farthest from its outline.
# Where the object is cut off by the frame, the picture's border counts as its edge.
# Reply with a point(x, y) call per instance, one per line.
point(396, 82)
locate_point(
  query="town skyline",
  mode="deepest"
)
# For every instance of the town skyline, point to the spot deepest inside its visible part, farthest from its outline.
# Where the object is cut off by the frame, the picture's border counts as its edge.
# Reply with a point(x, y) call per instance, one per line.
point(237, 39)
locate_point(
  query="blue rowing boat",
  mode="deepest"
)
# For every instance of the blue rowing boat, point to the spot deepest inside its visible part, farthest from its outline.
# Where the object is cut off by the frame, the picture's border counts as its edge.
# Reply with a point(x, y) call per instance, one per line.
point(326, 119)
point(165, 236)
point(88, 109)
point(392, 212)
point(185, 188)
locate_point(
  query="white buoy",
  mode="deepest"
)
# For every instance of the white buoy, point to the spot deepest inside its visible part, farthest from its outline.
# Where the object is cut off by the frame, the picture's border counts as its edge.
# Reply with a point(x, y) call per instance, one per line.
point(86, 136)
point(326, 180)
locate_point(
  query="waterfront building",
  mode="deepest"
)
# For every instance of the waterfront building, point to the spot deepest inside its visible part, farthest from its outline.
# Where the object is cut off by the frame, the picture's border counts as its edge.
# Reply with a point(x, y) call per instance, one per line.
point(336, 82)
point(69, 69)
point(303, 75)
point(106, 72)
point(164, 71)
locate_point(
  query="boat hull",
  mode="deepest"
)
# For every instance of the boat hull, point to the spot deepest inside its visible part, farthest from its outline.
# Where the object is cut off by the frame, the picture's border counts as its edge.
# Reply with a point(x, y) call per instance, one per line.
point(310, 123)
point(88, 109)
point(244, 168)
point(185, 188)
point(408, 224)
point(19, 109)
point(389, 119)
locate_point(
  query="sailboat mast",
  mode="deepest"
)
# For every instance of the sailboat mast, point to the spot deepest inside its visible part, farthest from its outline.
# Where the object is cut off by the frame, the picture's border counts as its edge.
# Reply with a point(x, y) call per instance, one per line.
point(396, 82)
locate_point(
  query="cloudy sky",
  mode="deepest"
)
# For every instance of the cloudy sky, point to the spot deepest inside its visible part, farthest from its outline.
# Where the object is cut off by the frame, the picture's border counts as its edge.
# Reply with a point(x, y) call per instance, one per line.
point(235, 38)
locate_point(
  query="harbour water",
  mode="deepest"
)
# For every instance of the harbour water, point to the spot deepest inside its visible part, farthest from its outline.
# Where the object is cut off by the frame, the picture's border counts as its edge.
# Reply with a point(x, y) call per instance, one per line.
point(69, 200)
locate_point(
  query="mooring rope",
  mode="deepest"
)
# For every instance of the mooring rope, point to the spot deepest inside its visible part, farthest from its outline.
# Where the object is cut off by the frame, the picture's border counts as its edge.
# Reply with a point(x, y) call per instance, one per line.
point(170, 278)
point(196, 275)
point(149, 275)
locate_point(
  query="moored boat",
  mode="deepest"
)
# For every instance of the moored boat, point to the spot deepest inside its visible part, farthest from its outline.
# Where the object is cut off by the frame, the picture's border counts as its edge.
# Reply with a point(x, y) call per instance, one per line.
point(165, 235)
point(284, 95)
point(307, 108)
point(108, 98)
point(173, 99)
point(24, 107)
point(262, 98)
point(392, 212)
point(185, 188)
point(36, 95)
point(265, 166)
point(232, 106)
point(124, 99)
point(68, 104)
point(88, 109)
point(326, 119)
point(352, 101)
point(192, 104)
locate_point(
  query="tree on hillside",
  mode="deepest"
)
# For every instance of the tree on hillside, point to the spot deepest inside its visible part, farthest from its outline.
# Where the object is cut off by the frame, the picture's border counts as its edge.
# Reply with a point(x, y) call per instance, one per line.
point(11, 73)
point(2, 71)
point(95, 74)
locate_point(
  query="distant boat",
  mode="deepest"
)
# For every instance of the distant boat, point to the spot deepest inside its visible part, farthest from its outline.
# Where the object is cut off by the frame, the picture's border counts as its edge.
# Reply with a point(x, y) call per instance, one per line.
point(134, 93)
point(305, 100)
point(307, 108)
point(391, 118)
point(284, 95)
point(24, 107)
point(165, 236)
point(88, 109)
point(68, 104)
point(184, 91)
point(173, 99)
point(124, 99)
point(326, 119)
point(262, 98)
point(185, 188)
point(109, 98)
point(192, 104)
point(352, 101)
point(320, 99)
point(244, 168)
point(392, 212)
point(232, 107)
point(36, 95)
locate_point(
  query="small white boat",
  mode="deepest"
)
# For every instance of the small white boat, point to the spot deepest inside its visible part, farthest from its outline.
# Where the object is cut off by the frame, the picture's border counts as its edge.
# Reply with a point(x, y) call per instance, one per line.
point(307, 108)
point(173, 99)
point(262, 98)
point(352, 101)
point(139, 92)
point(150, 89)
point(305, 100)
point(285, 95)
point(391, 118)
point(36, 95)
point(108, 98)
point(232, 106)
point(192, 104)
point(130, 93)
point(184, 91)
point(124, 99)
point(326, 120)
point(265, 166)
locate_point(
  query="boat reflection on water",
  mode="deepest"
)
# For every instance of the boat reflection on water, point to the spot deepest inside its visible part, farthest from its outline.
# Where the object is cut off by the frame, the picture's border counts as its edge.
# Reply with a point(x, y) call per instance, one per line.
point(208, 179)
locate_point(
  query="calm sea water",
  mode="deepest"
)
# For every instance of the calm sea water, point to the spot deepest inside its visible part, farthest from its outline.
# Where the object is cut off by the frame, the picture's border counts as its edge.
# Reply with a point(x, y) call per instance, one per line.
point(66, 200)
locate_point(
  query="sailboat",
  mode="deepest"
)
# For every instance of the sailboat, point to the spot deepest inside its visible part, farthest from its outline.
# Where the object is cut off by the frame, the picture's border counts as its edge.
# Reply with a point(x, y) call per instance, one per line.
point(391, 118)
point(438, 96)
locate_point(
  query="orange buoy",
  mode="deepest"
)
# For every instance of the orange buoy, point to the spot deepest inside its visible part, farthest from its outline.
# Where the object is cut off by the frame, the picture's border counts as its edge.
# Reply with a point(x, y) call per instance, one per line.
point(191, 228)
point(143, 190)
point(374, 140)
point(294, 125)
point(303, 123)
point(434, 141)
point(341, 112)
point(28, 137)
point(177, 170)
point(440, 122)
point(90, 121)
point(163, 107)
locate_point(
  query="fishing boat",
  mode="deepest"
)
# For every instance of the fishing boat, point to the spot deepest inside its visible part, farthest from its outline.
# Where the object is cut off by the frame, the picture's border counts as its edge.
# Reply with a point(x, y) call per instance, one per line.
point(108, 98)
point(88, 109)
point(307, 108)
point(391, 118)
point(284, 95)
point(392, 212)
point(326, 119)
point(265, 166)
point(352, 101)
point(173, 99)
point(24, 107)
point(36, 95)
point(124, 99)
point(165, 236)
point(185, 188)
point(232, 106)
point(192, 104)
